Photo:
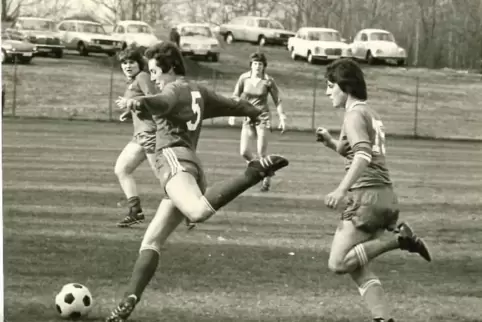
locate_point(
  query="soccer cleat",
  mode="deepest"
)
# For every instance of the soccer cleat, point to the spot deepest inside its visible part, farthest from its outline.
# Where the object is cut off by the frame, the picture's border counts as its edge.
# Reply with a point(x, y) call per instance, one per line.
point(190, 225)
point(124, 310)
point(132, 218)
point(412, 243)
point(266, 184)
point(267, 166)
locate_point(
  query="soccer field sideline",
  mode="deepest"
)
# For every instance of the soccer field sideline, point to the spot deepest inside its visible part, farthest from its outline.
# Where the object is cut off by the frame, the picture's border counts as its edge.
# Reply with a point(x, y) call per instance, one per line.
point(60, 214)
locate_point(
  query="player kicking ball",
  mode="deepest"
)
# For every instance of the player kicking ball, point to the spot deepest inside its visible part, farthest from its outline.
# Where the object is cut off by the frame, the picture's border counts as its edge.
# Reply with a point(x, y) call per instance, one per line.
point(178, 112)
point(372, 204)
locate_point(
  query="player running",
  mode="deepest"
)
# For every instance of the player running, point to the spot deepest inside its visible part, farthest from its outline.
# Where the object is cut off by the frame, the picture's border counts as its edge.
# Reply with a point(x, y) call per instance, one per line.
point(255, 86)
point(372, 204)
point(143, 143)
point(178, 112)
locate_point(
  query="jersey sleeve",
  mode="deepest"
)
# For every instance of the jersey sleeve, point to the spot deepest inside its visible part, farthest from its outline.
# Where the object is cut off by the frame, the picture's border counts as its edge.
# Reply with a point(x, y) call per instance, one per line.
point(161, 104)
point(145, 84)
point(239, 88)
point(216, 105)
point(356, 126)
point(274, 91)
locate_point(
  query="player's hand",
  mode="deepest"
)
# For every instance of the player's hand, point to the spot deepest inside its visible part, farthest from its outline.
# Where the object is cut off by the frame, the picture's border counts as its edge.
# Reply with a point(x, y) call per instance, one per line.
point(125, 116)
point(334, 198)
point(282, 123)
point(132, 104)
point(322, 135)
point(121, 102)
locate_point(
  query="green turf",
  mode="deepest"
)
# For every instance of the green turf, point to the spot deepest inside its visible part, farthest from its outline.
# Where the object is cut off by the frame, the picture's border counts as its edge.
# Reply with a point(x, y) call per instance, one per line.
point(262, 258)
point(79, 87)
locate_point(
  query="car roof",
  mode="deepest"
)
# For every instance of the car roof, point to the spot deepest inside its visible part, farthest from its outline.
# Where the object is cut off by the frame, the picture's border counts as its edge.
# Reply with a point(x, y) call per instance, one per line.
point(34, 18)
point(82, 21)
point(127, 22)
point(375, 30)
point(198, 24)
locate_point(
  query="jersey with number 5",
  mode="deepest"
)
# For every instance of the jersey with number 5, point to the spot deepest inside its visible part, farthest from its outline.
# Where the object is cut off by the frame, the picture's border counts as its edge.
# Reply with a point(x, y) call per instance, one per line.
point(180, 108)
point(362, 127)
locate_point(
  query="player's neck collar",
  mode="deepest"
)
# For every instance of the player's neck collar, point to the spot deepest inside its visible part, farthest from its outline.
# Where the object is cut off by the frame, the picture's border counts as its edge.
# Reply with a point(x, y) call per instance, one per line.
point(355, 103)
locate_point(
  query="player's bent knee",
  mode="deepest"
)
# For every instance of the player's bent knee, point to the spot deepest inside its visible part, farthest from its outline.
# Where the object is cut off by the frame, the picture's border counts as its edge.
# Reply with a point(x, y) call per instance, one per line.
point(337, 266)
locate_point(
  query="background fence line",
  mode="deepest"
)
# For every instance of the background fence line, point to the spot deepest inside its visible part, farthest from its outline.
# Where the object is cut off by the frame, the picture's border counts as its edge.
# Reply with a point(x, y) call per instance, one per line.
point(300, 117)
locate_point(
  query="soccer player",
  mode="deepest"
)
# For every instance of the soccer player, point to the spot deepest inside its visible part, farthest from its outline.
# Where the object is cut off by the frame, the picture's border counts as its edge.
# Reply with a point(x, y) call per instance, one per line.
point(372, 203)
point(178, 112)
point(256, 86)
point(142, 145)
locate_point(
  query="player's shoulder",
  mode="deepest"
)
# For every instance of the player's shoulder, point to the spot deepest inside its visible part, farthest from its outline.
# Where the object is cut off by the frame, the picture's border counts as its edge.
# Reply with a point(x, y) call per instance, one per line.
point(245, 75)
point(143, 77)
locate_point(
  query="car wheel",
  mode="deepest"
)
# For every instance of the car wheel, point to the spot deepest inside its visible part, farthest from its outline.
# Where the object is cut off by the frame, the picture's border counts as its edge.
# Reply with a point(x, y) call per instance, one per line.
point(215, 57)
point(25, 60)
point(261, 41)
point(310, 58)
point(293, 55)
point(370, 59)
point(401, 62)
point(82, 49)
point(229, 38)
point(59, 53)
point(3, 56)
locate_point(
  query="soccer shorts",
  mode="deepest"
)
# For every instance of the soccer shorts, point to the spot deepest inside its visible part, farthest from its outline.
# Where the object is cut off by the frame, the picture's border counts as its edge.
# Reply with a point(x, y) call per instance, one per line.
point(170, 161)
point(372, 208)
point(147, 140)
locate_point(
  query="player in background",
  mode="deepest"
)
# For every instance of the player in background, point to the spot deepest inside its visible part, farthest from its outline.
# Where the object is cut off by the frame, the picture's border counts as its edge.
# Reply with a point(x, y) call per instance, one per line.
point(256, 86)
point(178, 112)
point(372, 204)
point(143, 143)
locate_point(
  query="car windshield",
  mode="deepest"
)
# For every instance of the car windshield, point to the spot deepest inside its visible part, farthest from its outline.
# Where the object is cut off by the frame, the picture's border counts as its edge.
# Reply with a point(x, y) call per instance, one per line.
point(36, 24)
point(382, 36)
point(272, 24)
point(91, 28)
point(324, 36)
point(196, 31)
point(139, 29)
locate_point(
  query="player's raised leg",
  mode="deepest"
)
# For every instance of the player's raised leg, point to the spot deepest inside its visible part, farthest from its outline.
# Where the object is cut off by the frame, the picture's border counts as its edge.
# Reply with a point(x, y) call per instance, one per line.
point(183, 186)
point(165, 221)
point(129, 159)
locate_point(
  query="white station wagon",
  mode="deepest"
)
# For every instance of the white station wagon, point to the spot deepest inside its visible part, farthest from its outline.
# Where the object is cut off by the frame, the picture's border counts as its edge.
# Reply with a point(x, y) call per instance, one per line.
point(317, 44)
point(87, 36)
point(373, 45)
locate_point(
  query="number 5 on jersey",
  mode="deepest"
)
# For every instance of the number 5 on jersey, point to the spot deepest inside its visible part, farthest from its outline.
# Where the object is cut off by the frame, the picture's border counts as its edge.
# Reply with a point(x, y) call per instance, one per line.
point(379, 146)
point(196, 109)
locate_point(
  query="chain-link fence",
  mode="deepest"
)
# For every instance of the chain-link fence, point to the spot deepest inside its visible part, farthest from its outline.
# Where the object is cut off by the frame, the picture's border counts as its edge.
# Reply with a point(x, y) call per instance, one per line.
point(443, 104)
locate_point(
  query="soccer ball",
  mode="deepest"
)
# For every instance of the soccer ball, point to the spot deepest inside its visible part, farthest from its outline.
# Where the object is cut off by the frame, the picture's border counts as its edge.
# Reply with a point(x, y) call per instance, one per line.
point(73, 301)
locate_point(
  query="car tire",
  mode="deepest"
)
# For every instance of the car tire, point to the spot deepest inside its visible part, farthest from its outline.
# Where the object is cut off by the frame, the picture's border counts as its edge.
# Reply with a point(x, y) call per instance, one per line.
point(370, 59)
point(59, 54)
point(82, 49)
point(229, 38)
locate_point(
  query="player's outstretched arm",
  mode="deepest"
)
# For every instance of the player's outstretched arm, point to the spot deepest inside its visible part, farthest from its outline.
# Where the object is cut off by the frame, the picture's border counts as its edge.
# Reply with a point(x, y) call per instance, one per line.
point(157, 105)
point(217, 106)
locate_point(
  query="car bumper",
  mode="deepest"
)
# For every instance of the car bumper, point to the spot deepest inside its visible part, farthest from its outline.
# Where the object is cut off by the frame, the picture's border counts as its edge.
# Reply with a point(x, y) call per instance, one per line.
point(41, 48)
point(277, 41)
point(102, 48)
point(327, 57)
point(199, 52)
point(19, 54)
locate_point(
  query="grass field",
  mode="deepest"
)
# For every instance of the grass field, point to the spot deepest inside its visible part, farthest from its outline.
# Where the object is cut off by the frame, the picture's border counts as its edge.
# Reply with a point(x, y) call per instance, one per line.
point(262, 258)
point(79, 87)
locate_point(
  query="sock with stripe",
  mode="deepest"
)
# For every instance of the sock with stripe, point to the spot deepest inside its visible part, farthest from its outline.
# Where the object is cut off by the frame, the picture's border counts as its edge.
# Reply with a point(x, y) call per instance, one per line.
point(221, 194)
point(134, 203)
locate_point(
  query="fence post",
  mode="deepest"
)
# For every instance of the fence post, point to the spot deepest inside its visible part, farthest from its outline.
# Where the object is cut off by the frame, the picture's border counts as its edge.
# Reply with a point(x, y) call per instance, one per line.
point(111, 88)
point(315, 84)
point(15, 80)
point(415, 112)
point(214, 79)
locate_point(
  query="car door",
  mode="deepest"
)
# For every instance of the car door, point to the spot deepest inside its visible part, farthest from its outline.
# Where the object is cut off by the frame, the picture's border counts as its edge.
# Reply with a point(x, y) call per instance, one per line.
point(66, 31)
point(119, 33)
point(363, 46)
point(236, 27)
point(250, 32)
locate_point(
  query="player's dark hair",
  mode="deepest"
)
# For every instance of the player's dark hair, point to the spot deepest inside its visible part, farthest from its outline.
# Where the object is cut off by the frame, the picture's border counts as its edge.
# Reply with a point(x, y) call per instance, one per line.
point(132, 53)
point(258, 57)
point(348, 75)
point(167, 56)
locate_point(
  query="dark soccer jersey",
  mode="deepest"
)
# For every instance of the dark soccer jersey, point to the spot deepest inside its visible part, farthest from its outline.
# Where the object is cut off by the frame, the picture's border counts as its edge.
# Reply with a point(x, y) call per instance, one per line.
point(363, 124)
point(139, 86)
point(182, 106)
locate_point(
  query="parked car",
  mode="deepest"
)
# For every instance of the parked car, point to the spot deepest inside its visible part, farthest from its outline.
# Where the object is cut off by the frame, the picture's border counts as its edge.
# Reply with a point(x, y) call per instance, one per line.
point(317, 44)
point(16, 48)
point(373, 45)
point(198, 40)
point(87, 36)
point(256, 30)
point(39, 31)
point(133, 31)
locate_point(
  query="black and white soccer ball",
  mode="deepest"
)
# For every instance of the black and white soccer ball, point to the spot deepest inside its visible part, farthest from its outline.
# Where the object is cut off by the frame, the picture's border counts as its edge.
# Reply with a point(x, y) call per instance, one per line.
point(74, 301)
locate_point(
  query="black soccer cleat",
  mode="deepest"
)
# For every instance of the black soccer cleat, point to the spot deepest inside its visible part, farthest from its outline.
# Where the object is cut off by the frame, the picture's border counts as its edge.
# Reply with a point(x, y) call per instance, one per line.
point(124, 310)
point(267, 166)
point(133, 217)
point(412, 243)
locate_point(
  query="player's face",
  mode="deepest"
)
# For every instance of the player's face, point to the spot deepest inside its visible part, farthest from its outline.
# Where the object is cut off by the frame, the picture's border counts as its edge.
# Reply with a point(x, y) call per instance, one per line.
point(257, 67)
point(158, 77)
point(130, 68)
point(337, 96)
